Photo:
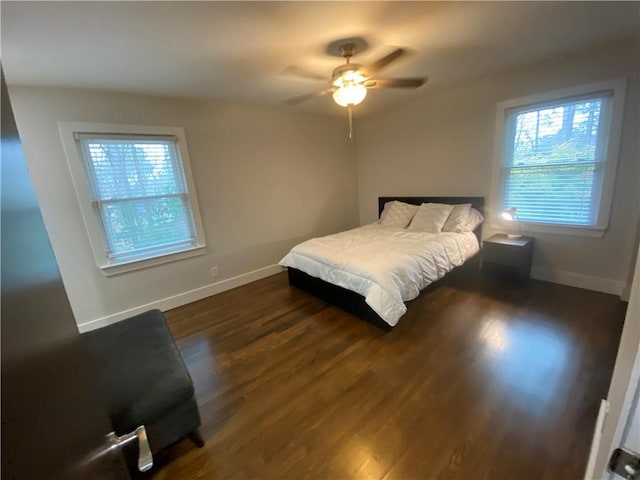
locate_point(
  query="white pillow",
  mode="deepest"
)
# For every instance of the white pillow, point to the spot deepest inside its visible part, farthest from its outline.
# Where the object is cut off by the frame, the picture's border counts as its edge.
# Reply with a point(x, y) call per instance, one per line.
point(457, 218)
point(397, 214)
point(475, 219)
point(430, 217)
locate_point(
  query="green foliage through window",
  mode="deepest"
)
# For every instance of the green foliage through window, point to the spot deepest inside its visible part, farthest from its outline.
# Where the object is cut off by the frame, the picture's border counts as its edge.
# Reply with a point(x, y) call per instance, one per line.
point(140, 194)
point(552, 167)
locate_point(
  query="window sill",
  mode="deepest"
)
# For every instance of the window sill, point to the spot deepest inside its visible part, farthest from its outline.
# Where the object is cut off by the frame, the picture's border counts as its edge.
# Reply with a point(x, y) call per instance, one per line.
point(123, 267)
point(511, 227)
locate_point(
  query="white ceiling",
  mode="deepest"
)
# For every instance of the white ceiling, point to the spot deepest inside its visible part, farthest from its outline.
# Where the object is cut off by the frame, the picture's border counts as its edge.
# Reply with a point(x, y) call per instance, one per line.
point(236, 50)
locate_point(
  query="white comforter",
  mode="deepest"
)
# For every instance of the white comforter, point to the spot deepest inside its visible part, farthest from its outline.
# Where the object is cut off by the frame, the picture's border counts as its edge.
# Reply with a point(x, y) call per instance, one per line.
point(386, 265)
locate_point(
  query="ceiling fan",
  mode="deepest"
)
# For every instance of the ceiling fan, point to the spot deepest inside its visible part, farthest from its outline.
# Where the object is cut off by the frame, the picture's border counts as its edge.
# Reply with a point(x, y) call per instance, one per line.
point(350, 81)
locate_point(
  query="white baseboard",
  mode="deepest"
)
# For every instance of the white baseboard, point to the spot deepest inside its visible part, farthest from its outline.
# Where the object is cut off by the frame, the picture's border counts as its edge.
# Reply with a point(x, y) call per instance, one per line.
point(183, 298)
point(547, 275)
point(571, 279)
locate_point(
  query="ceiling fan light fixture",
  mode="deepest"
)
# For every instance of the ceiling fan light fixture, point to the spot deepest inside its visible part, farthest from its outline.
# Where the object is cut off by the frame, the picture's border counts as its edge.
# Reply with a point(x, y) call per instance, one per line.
point(350, 94)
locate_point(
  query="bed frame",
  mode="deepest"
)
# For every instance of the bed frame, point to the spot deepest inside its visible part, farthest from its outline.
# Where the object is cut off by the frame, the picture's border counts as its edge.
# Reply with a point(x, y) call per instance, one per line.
point(354, 303)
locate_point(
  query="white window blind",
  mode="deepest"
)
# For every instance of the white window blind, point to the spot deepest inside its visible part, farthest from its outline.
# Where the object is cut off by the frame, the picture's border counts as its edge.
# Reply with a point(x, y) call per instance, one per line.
point(554, 158)
point(139, 193)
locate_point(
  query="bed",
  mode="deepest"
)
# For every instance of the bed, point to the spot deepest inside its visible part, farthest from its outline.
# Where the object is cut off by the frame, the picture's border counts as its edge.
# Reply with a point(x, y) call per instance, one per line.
point(371, 271)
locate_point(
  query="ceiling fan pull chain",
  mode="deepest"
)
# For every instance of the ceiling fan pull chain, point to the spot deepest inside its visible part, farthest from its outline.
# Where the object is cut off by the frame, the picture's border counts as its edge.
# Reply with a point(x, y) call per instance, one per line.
point(350, 111)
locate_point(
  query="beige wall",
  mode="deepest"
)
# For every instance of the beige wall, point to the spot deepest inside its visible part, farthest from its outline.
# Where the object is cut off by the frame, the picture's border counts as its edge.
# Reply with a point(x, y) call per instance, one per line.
point(441, 143)
point(266, 178)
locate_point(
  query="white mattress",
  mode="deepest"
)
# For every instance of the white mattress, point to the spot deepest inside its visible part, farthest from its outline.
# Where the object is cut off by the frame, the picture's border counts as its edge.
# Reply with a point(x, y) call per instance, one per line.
point(386, 265)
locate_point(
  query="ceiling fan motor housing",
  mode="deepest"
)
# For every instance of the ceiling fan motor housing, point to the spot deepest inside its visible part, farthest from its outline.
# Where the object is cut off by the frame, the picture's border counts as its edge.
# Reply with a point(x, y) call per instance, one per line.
point(351, 72)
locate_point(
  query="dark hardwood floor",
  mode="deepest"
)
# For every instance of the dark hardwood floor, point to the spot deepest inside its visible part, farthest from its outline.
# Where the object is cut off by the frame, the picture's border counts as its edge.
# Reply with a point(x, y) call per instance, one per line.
point(476, 381)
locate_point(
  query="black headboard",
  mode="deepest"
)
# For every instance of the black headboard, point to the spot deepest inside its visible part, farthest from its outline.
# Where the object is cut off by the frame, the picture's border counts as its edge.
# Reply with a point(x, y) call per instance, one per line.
point(476, 202)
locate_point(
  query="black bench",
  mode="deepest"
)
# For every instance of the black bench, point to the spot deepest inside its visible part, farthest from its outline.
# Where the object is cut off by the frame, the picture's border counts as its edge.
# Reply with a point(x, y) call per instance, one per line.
point(145, 380)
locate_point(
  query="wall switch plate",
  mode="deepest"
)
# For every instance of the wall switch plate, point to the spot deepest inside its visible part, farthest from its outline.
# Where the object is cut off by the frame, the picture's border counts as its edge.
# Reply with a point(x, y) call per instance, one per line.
point(213, 271)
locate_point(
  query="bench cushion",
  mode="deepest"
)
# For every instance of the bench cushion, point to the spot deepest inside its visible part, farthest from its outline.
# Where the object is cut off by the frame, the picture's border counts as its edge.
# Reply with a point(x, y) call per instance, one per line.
point(144, 375)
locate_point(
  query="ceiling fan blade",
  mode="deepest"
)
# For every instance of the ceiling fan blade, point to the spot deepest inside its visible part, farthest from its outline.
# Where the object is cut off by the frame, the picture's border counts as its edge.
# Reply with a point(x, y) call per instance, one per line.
point(303, 98)
point(381, 63)
point(396, 82)
point(300, 73)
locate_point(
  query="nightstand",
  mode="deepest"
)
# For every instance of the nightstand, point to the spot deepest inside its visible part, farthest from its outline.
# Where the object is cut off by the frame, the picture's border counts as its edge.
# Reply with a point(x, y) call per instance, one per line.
point(507, 258)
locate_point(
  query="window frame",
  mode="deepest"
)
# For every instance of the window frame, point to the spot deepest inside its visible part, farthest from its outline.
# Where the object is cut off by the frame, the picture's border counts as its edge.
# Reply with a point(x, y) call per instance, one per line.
point(92, 222)
point(617, 92)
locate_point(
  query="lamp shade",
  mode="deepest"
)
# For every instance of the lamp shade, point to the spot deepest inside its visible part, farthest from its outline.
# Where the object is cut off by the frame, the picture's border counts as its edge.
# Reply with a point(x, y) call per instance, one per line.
point(509, 214)
point(349, 94)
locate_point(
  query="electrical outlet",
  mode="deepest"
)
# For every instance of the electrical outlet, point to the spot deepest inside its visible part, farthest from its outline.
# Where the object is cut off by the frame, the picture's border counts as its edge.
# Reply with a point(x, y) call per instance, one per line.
point(213, 271)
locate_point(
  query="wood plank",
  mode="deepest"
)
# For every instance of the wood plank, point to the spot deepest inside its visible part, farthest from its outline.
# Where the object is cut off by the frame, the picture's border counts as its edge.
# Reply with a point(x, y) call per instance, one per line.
point(479, 380)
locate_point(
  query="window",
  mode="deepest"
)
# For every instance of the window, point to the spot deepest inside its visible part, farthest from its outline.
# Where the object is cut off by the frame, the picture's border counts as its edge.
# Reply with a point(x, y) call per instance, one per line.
point(135, 192)
point(557, 155)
